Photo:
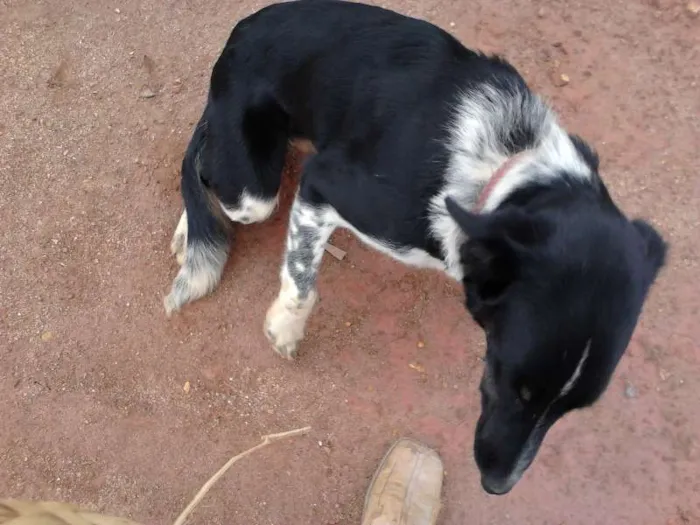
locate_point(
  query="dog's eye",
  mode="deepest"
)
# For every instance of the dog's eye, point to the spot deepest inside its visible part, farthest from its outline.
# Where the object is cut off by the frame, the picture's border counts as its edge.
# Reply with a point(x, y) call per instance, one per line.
point(525, 394)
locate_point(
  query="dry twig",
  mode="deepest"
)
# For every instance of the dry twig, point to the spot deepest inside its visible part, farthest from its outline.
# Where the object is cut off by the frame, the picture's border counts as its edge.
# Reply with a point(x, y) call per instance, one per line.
point(266, 440)
point(335, 251)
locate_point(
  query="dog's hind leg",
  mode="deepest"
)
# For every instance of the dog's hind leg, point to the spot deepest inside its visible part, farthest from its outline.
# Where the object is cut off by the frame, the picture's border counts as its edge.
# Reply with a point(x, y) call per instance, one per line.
point(232, 172)
point(254, 157)
point(200, 242)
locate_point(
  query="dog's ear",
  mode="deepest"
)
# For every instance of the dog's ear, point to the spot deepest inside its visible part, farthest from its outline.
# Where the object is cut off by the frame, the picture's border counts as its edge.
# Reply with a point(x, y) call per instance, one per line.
point(490, 266)
point(472, 224)
point(588, 154)
point(655, 248)
point(520, 229)
point(496, 247)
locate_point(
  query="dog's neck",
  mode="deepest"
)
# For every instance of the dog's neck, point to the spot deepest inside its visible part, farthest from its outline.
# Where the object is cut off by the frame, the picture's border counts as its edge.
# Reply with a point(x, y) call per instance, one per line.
point(554, 157)
point(499, 142)
point(494, 180)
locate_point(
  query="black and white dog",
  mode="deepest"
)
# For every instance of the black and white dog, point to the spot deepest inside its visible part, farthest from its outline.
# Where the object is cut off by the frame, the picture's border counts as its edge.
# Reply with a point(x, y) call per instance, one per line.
point(442, 158)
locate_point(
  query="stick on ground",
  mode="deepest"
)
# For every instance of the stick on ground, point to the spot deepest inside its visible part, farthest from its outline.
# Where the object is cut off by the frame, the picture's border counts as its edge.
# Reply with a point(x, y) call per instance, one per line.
point(266, 440)
point(335, 251)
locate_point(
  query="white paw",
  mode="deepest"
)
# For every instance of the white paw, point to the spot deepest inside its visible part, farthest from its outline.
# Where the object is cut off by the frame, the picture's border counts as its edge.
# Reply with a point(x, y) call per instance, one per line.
point(285, 323)
point(178, 246)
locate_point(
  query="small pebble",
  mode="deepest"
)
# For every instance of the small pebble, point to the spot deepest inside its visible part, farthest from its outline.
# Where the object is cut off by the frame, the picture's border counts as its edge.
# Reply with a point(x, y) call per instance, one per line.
point(117, 10)
point(560, 80)
point(186, 388)
point(417, 367)
point(630, 391)
point(693, 8)
point(147, 93)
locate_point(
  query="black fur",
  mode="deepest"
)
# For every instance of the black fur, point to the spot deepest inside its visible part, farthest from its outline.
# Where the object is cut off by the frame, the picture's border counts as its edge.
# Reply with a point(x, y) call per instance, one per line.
point(560, 270)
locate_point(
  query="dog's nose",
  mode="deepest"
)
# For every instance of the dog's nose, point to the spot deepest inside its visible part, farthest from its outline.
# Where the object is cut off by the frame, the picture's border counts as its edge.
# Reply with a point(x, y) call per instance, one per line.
point(494, 487)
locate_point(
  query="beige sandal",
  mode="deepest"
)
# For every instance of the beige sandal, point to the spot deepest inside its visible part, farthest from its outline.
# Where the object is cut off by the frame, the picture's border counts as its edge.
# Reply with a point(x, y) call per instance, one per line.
point(406, 487)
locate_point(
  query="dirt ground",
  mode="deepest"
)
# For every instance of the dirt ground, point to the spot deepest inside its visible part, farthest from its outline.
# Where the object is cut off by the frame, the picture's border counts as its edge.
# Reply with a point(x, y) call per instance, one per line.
point(97, 101)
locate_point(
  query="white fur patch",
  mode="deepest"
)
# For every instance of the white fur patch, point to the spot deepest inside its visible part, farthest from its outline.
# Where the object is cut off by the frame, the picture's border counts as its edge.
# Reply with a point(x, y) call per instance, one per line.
point(309, 216)
point(577, 372)
point(481, 119)
point(328, 216)
point(250, 209)
point(303, 146)
point(410, 256)
point(286, 318)
point(178, 244)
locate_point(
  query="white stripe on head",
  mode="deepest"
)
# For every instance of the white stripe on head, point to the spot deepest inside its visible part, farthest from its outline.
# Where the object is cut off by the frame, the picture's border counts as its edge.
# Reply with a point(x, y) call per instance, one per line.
point(526, 454)
point(577, 372)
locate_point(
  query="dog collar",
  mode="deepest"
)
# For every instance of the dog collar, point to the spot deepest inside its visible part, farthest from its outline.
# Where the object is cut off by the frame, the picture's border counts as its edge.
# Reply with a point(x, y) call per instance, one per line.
point(495, 179)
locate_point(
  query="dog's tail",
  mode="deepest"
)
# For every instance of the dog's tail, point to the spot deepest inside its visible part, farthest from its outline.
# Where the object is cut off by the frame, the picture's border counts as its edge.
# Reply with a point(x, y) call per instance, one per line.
point(200, 242)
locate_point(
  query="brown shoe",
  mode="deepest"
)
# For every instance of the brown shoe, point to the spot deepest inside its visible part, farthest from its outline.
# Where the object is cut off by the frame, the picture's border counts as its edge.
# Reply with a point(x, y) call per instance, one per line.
point(406, 487)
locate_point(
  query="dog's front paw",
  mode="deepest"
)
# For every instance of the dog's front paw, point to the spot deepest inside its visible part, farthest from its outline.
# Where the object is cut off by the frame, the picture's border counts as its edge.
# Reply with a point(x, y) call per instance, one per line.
point(284, 328)
point(178, 245)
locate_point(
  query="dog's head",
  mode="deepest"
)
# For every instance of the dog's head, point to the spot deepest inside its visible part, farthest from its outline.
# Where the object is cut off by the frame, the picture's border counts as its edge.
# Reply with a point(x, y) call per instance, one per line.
point(558, 294)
